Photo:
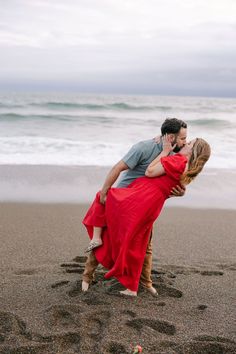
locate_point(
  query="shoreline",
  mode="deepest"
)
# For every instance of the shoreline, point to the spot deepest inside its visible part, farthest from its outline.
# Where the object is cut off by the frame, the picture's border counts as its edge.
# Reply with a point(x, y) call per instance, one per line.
point(214, 188)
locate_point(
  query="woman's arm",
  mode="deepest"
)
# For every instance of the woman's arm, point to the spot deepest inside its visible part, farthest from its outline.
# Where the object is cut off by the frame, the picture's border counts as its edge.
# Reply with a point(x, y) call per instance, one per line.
point(155, 168)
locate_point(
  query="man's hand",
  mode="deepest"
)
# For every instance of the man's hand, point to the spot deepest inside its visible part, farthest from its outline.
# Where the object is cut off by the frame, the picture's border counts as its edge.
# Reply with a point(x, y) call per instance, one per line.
point(178, 191)
point(103, 197)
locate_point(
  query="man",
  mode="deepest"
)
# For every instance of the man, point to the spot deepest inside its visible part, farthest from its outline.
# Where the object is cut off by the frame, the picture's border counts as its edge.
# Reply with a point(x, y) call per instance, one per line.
point(135, 163)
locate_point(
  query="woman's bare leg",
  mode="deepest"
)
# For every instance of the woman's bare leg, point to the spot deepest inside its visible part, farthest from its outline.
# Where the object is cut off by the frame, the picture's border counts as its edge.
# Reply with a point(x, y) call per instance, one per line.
point(96, 240)
point(97, 234)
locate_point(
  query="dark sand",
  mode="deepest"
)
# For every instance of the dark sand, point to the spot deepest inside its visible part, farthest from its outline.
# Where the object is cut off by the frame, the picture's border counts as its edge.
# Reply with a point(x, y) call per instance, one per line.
point(42, 309)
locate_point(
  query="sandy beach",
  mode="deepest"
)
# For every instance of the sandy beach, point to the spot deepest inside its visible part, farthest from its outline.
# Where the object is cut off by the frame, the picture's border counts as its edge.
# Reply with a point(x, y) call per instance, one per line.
point(90, 85)
point(44, 311)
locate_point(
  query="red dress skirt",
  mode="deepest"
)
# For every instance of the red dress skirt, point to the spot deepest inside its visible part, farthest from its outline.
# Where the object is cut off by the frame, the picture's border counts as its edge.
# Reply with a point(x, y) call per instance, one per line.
point(127, 219)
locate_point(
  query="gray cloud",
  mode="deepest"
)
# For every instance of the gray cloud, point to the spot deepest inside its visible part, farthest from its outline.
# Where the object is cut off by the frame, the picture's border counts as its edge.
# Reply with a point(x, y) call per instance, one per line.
point(158, 46)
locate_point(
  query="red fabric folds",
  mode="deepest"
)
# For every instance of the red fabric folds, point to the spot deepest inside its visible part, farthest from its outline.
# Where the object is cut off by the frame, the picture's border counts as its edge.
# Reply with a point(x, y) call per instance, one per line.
point(127, 219)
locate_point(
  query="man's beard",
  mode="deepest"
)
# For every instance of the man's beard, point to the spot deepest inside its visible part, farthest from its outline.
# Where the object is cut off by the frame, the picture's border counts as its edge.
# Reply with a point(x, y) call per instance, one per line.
point(177, 149)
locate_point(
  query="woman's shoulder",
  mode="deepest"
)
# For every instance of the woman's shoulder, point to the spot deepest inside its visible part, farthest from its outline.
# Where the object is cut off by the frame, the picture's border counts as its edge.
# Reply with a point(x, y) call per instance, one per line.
point(179, 157)
point(174, 165)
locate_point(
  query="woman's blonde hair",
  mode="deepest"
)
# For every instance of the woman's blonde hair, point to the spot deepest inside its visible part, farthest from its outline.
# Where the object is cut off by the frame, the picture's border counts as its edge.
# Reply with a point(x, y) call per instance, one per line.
point(200, 154)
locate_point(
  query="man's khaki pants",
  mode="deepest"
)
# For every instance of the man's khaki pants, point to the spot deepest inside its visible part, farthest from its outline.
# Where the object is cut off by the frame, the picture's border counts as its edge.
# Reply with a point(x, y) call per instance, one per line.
point(145, 279)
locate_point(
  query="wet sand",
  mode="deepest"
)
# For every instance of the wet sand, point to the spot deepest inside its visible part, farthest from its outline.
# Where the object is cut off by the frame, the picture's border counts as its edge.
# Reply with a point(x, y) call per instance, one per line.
point(213, 188)
point(44, 311)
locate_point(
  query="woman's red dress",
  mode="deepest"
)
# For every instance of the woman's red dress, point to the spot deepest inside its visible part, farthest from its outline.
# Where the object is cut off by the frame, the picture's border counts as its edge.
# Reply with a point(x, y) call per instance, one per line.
point(127, 220)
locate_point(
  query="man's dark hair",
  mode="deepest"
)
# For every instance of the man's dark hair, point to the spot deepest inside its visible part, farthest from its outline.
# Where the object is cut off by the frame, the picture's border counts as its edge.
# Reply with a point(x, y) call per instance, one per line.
point(172, 126)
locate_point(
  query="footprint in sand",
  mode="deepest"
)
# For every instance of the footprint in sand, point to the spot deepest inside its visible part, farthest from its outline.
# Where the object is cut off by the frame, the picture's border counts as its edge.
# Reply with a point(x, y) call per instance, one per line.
point(165, 290)
point(218, 339)
point(211, 272)
point(33, 348)
point(26, 272)
point(59, 343)
point(209, 346)
point(73, 267)
point(93, 300)
point(161, 304)
point(202, 307)
point(75, 270)
point(75, 289)
point(113, 287)
point(15, 338)
point(60, 283)
point(63, 316)
point(10, 323)
point(227, 266)
point(80, 259)
point(199, 345)
point(94, 325)
point(76, 266)
point(130, 313)
point(116, 348)
point(63, 342)
point(159, 326)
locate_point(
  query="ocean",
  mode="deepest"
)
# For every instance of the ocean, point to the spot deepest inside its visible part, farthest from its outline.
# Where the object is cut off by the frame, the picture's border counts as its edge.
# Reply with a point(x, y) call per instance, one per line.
point(86, 130)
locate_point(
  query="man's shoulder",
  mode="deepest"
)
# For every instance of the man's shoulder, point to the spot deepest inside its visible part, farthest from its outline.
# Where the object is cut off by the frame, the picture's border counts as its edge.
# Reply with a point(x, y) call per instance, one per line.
point(148, 145)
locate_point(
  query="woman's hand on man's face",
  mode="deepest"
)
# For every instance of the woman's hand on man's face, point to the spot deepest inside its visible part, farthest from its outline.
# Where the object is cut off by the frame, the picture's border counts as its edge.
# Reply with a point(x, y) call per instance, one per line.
point(167, 145)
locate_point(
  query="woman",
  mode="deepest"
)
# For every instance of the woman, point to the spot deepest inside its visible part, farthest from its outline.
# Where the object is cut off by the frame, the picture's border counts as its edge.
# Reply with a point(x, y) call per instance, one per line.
point(121, 229)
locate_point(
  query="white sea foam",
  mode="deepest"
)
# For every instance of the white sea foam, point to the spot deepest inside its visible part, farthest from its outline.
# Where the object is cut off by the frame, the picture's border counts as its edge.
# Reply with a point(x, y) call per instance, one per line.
point(70, 129)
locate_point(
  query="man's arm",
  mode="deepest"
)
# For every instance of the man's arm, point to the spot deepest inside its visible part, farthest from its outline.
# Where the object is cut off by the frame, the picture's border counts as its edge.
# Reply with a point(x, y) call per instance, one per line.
point(111, 178)
point(129, 161)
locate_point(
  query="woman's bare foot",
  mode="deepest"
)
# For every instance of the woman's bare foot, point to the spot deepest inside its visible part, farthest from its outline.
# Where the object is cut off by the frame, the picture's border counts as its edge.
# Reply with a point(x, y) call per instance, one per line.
point(128, 292)
point(85, 285)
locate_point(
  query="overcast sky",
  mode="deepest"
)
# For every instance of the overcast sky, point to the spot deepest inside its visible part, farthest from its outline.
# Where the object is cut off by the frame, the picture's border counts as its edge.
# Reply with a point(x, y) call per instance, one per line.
point(182, 47)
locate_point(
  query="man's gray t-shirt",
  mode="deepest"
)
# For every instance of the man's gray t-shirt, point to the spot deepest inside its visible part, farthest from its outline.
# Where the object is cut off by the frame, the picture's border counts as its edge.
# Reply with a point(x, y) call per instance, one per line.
point(137, 159)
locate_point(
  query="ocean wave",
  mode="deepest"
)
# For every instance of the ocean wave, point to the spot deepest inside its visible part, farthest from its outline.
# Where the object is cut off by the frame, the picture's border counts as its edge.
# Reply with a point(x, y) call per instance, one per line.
point(11, 105)
point(81, 118)
point(125, 106)
point(211, 122)
point(56, 151)
point(120, 106)
point(78, 119)
point(17, 116)
point(116, 120)
point(43, 150)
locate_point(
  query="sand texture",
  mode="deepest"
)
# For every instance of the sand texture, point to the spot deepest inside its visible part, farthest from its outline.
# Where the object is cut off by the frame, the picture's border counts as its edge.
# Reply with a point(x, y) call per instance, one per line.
point(43, 311)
